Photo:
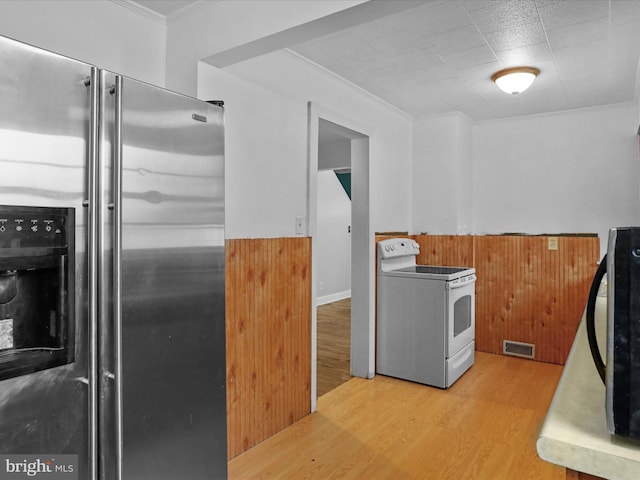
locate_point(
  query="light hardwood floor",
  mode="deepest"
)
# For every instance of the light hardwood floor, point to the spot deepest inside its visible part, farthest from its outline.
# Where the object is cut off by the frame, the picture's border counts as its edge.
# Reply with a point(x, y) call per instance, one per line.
point(483, 427)
point(333, 342)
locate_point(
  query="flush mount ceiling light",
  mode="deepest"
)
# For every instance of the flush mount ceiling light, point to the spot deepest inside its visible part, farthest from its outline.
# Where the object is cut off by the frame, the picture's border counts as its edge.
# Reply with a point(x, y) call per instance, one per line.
point(516, 79)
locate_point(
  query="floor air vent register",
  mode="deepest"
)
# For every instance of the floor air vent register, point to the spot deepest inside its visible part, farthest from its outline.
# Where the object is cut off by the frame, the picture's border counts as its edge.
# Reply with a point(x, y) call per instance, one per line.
point(518, 349)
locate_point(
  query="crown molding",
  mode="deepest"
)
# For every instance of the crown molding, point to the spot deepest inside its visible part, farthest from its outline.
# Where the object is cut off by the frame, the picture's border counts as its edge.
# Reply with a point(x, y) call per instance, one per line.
point(165, 20)
point(189, 9)
point(140, 10)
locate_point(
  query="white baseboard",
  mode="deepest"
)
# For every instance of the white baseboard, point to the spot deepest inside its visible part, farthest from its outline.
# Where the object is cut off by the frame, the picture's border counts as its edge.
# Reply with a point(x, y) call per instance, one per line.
point(334, 297)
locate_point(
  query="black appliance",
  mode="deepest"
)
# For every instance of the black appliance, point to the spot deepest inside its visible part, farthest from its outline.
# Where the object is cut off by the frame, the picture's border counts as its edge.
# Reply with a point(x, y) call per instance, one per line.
point(36, 289)
point(621, 374)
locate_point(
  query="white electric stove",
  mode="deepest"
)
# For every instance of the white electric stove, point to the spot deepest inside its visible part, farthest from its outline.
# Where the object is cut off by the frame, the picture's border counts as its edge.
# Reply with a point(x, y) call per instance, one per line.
point(425, 316)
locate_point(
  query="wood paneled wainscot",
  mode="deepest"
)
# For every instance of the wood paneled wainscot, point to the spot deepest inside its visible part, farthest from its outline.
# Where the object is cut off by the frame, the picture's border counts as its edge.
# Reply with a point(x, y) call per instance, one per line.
point(525, 292)
point(529, 293)
point(268, 330)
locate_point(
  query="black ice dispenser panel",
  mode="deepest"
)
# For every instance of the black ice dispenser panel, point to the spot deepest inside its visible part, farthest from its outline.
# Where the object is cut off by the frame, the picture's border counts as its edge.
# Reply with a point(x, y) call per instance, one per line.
point(36, 289)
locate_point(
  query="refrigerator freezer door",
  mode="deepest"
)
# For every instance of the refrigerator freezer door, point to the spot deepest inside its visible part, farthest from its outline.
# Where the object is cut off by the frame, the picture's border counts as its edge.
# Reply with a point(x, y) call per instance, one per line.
point(45, 124)
point(171, 373)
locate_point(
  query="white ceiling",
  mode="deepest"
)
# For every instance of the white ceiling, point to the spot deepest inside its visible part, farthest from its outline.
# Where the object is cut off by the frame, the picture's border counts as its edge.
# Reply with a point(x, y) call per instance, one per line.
point(438, 57)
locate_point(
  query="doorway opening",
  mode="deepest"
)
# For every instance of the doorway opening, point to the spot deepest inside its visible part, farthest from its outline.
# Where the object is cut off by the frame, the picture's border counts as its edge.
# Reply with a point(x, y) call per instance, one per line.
point(333, 251)
point(339, 144)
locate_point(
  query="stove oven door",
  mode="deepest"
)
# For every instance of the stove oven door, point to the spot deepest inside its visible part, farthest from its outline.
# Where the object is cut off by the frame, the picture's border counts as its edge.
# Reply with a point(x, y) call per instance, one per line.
point(460, 314)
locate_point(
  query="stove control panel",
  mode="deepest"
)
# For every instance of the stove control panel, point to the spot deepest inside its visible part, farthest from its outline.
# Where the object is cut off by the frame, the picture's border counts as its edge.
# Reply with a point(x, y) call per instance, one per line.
point(461, 282)
point(397, 247)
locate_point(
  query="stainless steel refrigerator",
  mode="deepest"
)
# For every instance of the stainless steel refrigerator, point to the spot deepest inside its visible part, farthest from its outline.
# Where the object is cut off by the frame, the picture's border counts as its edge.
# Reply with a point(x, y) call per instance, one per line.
point(112, 313)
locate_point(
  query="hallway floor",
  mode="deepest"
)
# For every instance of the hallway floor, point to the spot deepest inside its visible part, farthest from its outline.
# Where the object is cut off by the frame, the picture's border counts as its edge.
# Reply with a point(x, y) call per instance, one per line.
point(334, 345)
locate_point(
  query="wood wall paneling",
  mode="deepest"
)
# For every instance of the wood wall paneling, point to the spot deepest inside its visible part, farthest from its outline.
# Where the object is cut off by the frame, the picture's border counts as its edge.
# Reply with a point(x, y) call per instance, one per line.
point(268, 329)
point(528, 293)
point(445, 250)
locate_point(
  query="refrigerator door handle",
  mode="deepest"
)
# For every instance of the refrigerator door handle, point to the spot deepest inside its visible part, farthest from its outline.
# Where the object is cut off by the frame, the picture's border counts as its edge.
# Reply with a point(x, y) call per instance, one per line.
point(117, 269)
point(93, 84)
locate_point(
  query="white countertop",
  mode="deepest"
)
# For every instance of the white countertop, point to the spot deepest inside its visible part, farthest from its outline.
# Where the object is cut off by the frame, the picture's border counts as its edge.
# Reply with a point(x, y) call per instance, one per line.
point(574, 433)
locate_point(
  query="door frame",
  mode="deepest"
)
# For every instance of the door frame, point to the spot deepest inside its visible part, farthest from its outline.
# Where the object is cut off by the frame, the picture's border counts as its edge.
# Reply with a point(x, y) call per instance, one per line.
point(362, 242)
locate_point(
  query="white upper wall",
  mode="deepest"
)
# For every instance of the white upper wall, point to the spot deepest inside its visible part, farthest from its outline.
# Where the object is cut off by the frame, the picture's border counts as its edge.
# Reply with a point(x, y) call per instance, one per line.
point(442, 175)
point(333, 239)
point(99, 32)
point(567, 172)
point(265, 156)
point(266, 103)
point(574, 171)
